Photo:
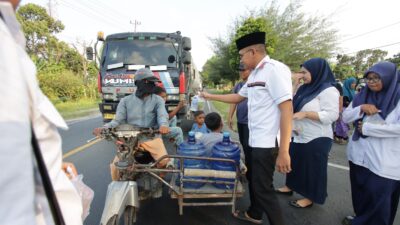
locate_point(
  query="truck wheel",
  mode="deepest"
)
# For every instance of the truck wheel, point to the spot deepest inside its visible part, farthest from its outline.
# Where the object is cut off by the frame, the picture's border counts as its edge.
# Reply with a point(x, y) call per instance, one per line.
point(130, 215)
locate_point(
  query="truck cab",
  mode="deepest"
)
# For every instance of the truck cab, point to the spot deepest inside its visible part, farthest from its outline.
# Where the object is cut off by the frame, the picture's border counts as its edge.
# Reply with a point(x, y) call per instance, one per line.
point(167, 55)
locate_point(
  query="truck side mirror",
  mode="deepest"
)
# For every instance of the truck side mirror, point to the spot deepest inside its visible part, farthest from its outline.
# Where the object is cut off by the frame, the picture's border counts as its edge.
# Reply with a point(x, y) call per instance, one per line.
point(171, 59)
point(186, 57)
point(89, 53)
point(186, 44)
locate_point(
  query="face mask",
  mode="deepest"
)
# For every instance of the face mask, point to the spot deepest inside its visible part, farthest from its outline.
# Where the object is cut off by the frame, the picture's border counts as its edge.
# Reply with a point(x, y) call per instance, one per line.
point(144, 88)
point(8, 17)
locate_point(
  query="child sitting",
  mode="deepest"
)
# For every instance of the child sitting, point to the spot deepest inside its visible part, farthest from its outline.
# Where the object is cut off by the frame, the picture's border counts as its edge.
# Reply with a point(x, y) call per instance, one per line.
point(199, 126)
point(214, 122)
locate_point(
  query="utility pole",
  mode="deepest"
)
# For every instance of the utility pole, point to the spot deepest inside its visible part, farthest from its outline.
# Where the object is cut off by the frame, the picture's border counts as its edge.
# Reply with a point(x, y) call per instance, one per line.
point(50, 8)
point(135, 23)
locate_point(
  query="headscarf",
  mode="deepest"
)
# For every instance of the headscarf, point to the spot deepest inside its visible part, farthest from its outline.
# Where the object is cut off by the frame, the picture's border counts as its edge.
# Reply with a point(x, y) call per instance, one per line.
point(347, 90)
point(385, 100)
point(321, 79)
point(144, 87)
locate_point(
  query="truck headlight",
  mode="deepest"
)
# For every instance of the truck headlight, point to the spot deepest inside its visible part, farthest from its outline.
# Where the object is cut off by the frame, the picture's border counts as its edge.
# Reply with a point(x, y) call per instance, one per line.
point(173, 98)
point(108, 96)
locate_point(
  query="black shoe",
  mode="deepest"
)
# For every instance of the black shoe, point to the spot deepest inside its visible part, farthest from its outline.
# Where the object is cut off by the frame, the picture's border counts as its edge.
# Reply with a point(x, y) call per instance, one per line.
point(347, 220)
point(288, 193)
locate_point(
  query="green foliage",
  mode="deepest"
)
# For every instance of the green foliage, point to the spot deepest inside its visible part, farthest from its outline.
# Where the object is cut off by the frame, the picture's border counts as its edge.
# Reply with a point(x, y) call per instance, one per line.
point(64, 86)
point(39, 28)
point(300, 37)
point(395, 59)
point(356, 65)
point(291, 37)
point(250, 25)
point(63, 73)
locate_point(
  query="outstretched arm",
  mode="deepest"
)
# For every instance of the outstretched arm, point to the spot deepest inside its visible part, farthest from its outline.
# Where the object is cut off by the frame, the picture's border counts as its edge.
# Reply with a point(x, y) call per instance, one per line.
point(228, 98)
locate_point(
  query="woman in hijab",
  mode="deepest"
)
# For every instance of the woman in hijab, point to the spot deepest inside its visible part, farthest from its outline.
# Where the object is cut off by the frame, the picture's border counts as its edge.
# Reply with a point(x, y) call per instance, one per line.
point(316, 107)
point(373, 151)
point(342, 128)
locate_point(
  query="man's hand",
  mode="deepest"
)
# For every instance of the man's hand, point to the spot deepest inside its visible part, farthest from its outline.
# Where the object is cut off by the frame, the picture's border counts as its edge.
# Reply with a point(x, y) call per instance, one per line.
point(296, 77)
point(72, 171)
point(204, 95)
point(369, 109)
point(97, 131)
point(283, 162)
point(164, 130)
point(181, 104)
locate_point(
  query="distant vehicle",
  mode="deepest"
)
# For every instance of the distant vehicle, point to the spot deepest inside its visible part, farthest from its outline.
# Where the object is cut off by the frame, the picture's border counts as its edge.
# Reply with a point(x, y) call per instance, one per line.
point(122, 54)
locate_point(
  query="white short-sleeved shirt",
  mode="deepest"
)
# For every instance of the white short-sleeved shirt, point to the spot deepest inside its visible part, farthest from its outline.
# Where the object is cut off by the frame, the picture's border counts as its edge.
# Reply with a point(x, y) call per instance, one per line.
point(268, 85)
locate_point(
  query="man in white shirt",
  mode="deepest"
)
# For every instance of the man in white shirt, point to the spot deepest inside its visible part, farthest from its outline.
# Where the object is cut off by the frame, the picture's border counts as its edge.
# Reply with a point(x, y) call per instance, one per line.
point(269, 93)
point(23, 105)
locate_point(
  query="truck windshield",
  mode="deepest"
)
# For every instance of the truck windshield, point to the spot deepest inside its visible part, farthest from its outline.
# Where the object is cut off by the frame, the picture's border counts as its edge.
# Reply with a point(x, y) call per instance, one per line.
point(139, 52)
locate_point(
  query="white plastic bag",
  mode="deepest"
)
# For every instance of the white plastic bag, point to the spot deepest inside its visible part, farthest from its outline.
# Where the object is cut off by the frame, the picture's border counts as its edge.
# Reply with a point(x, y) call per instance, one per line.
point(86, 194)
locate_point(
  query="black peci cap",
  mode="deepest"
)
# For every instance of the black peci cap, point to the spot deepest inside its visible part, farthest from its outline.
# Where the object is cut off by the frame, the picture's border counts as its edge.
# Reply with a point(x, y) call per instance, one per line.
point(250, 39)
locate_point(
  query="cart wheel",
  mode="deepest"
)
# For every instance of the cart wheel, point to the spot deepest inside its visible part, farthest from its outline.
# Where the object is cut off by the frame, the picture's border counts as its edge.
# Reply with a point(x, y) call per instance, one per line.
point(113, 220)
point(130, 215)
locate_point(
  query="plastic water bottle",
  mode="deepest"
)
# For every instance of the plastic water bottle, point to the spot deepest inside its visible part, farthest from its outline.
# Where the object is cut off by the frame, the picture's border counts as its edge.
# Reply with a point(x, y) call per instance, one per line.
point(227, 150)
point(191, 148)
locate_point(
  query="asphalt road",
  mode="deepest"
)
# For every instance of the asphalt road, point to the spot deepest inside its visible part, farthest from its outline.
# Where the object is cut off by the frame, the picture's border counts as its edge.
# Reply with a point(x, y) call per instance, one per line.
point(93, 163)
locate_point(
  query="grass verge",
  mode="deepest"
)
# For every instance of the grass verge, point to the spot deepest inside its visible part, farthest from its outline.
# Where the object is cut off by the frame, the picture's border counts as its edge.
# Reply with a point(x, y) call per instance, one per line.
point(223, 109)
point(80, 108)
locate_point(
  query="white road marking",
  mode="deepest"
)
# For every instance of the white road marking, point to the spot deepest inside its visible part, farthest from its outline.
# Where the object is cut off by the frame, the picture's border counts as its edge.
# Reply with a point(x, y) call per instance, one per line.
point(339, 166)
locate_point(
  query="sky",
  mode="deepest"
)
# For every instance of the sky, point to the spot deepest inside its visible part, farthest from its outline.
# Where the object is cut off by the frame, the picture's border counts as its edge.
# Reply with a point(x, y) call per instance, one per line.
point(361, 24)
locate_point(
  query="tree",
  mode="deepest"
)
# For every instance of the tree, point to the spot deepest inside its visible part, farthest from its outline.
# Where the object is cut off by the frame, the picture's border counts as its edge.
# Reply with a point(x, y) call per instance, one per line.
point(300, 37)
point(344, 67)
point(63, 72)
point(366, 58)
point(395, 59)
point(39, 28)
point(291, 37)
point(355, 66)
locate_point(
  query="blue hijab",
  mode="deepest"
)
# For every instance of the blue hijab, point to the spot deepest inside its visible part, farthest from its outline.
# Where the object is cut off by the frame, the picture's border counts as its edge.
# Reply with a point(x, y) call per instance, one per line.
point(347, 90)
point(385, 100)
point(321, 79)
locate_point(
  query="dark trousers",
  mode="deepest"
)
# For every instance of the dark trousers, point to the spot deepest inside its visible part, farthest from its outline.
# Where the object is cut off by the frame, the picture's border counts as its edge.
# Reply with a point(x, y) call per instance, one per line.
point(265, 200)
point(375, 198)
point(243, 131)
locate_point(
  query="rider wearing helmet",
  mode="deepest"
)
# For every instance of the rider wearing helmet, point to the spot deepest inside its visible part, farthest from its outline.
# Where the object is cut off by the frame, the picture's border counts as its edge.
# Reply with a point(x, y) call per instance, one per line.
point(142, 109)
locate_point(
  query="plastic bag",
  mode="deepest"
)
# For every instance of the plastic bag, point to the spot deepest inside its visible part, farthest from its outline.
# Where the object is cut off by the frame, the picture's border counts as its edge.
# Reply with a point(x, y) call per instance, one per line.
point(86, 194)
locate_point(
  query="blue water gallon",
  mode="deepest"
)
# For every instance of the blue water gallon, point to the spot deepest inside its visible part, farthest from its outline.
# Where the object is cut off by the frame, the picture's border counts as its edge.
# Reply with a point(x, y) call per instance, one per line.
point(191, 148)
point(227, 150)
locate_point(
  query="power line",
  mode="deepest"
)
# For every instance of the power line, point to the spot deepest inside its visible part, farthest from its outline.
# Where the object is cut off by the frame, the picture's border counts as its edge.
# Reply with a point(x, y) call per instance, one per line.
point(372, 31)
point(383, 46)
point(92, 15)
point(108, 8)
point(100, 13)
